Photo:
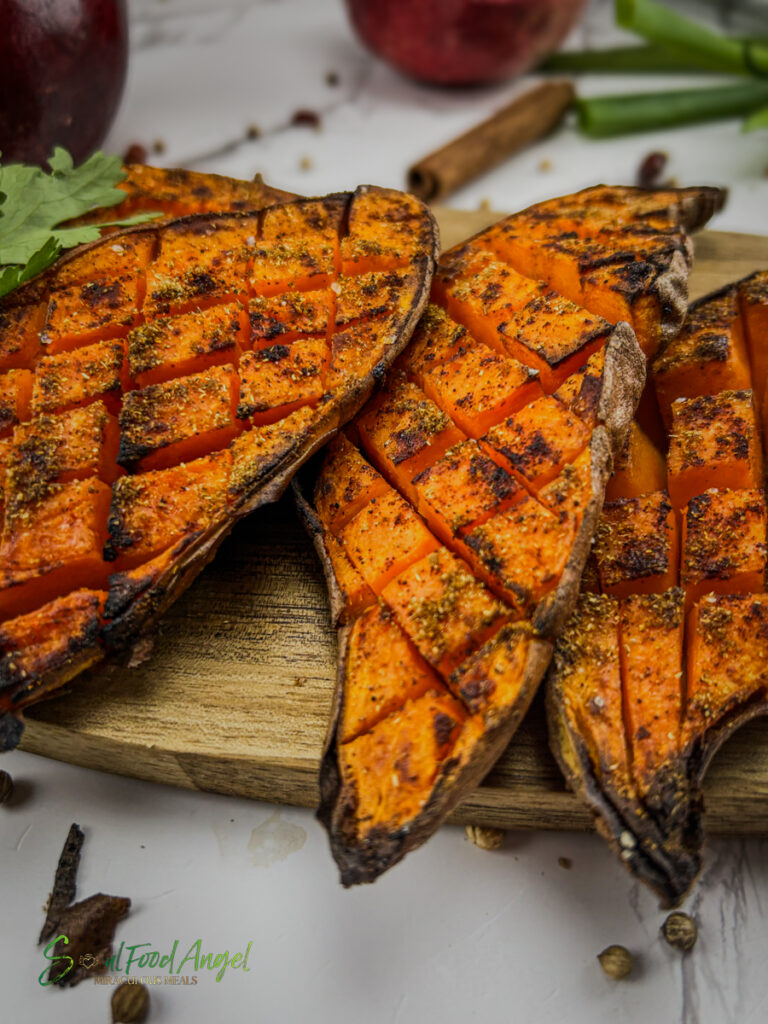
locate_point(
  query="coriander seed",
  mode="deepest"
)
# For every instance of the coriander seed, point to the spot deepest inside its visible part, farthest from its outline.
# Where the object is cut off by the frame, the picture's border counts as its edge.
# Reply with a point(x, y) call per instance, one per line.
point(616, 961)
point(130, 1004)
point(680, 931)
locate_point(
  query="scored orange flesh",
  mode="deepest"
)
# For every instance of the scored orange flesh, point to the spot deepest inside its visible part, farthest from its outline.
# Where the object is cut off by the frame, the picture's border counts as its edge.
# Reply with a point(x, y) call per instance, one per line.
point(159, 384)
point(484, 436)
point(682, 543)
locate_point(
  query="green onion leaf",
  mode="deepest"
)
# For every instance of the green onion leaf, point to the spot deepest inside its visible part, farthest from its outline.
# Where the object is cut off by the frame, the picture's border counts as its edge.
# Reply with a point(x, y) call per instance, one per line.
point(603, 116)
point(665, 27)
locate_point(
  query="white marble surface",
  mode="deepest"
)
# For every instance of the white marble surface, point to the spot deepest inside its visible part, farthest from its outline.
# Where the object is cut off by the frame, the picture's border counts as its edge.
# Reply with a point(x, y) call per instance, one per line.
point(453, 934)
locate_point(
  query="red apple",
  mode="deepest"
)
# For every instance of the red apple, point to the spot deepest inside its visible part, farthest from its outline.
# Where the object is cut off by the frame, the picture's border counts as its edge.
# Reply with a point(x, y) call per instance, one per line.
point(62, 70)
point(463, 42)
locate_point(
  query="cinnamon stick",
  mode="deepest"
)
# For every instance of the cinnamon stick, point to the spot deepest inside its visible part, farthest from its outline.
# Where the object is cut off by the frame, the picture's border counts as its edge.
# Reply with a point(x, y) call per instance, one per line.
point(526, 119)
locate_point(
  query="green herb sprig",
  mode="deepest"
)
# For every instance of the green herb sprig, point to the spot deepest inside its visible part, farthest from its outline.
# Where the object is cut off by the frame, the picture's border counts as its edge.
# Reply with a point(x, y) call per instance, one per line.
point(35, 208)
point(672, 43)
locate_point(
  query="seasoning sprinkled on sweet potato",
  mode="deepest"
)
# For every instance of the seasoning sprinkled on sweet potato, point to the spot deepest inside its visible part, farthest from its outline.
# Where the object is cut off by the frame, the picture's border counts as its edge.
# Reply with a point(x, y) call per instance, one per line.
point(497, 430)
point(160, 383)
point(693, 656)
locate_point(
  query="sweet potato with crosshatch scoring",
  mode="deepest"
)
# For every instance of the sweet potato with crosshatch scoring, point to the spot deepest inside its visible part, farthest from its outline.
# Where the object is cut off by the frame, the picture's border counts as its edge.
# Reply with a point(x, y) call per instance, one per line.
point(684, 602)
point(493, 440)
point(163, 382)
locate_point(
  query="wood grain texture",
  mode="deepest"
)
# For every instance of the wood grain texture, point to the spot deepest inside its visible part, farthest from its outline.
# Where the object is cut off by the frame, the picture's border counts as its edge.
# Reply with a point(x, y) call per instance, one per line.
point(236, 695)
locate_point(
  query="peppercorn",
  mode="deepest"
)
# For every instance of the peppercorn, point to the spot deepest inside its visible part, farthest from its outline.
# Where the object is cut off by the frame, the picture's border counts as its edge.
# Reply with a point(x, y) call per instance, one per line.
point(616, 961)
point(650, 169)
point(485, 838)
point(680, 931)
point(130, 1004)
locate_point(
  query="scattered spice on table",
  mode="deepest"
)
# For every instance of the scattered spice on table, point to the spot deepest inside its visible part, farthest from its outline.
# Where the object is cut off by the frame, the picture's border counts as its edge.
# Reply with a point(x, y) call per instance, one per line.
point(680, 931)
point(616, 961)
point(306, 118)
point(136, 154)
point(130, 1004)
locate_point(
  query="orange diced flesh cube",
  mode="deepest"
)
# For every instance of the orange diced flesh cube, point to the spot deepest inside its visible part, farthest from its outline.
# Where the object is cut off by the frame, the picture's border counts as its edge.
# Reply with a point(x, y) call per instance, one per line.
point(381, 673)
point(724, 543)
point(637, 546)
point(727, 656)
point(200, 263)
point(483, 293)
point(384, 538)
point(320, 218)
point(436, 339)
point(118, 260)
point(345, 483)
point(94, 311)
point(715, 442)
point(154, 510)
point(384, 233)
point(368, 295)
point(463, 488)
point(69, 446)
point(179, 421)
point(53, 545)
point(274, 381)
point(652, 629)
point(520, 553)
point(404, 431)
point(177, 346)
point(554, 336)
point(294, 264)
point(478, 388)
point(76, 378)
point(490, 680)
point(287, 316)
point(443, 609)
point(263, 451)
point(392, 768)
point(357, 353)
point(539, 440)
point(708, 356)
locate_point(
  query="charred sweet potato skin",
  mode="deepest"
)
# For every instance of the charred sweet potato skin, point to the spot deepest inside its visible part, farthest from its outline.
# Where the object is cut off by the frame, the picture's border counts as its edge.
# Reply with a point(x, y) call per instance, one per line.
point(508, 477)
point(135, 441)
point(699, 623)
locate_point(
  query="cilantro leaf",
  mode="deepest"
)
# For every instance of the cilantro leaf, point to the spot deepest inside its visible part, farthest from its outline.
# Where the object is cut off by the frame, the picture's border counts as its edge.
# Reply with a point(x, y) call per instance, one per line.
point(13, 276)
point(34, 204)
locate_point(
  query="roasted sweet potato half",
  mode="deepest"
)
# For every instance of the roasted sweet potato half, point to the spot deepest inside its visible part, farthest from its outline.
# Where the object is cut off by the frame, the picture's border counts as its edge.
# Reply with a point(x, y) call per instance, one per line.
point(455, 514)
point(162, 383)
point(670, 654)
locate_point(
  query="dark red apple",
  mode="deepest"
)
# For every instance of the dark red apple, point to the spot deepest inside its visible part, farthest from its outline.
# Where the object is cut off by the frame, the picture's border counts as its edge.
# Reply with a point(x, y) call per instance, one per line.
point(62, 70)
point(463, 42)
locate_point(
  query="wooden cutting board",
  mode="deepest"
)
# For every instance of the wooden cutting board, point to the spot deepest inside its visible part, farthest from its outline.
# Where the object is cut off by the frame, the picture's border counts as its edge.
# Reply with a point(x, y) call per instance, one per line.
point(236, 695)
